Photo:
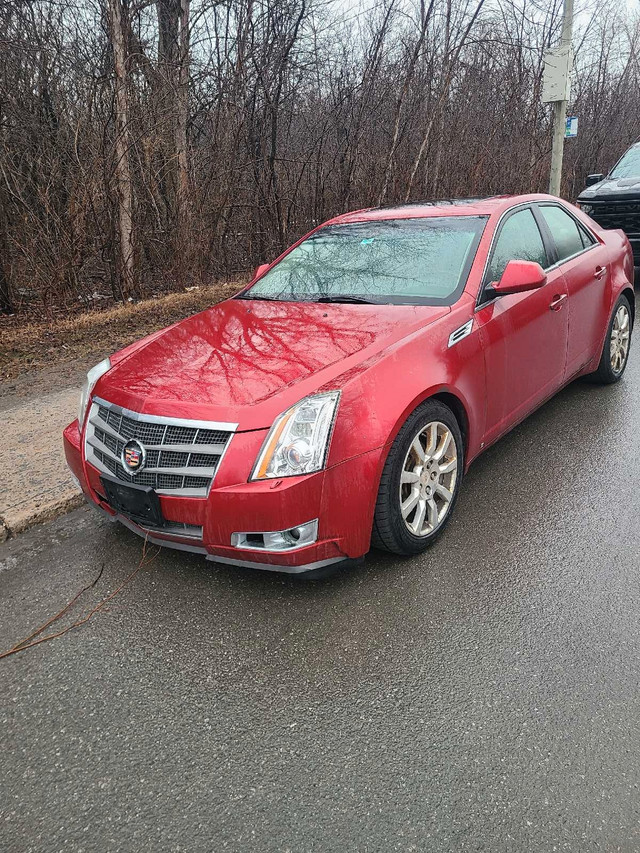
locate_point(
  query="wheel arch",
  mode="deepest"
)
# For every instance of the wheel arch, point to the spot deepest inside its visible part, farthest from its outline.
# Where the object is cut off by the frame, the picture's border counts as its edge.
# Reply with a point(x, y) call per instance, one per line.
point(631, 296)
point(457, 407)
point(449, 398)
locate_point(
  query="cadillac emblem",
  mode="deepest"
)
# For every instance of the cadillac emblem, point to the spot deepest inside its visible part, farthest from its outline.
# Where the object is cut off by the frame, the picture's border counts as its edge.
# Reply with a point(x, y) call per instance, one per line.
point(133, 457)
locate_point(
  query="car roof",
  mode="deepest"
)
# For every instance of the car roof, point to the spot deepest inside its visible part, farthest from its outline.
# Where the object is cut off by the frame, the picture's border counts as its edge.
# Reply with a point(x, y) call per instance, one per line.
point(489, 206)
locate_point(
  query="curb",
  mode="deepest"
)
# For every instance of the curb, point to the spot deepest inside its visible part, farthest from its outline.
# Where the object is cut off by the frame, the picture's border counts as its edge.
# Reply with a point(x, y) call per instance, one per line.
point(26, 520)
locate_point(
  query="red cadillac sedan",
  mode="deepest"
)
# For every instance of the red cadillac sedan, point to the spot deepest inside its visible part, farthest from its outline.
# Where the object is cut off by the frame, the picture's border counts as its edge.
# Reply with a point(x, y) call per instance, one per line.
point(338, 400)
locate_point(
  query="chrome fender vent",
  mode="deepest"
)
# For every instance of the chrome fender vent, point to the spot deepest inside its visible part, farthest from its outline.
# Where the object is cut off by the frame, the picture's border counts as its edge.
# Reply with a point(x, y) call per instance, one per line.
point(460, 333)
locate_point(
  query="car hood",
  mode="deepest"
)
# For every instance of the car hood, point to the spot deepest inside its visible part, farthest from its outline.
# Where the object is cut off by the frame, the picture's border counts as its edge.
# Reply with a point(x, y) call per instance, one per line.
point(612, 188)
point(245, 361)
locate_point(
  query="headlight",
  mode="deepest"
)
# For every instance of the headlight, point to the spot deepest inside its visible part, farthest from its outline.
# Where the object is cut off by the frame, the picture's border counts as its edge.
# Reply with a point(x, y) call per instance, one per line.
point(585, 208)
point(92, 377)
point(299, 439)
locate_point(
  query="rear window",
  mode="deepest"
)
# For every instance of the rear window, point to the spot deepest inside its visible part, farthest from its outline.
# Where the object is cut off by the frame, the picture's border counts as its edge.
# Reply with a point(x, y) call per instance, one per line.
point(404, 261)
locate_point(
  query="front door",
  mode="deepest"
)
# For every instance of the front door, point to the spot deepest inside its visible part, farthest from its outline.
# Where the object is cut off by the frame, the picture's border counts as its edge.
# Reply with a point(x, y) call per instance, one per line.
point(524, 335)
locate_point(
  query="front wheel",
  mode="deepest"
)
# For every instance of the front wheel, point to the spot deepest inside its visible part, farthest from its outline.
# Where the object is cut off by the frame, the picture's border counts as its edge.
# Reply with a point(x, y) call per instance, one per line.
point(420, 481)
point(615, 353)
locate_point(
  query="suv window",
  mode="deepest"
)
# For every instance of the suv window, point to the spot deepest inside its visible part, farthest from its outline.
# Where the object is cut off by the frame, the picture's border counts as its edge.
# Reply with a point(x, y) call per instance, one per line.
point(564, 230)
point(629, 164)
point(519, 240)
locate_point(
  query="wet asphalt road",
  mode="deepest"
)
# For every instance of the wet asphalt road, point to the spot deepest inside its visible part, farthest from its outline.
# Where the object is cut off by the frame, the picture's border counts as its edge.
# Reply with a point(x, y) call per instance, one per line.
point(482, 697)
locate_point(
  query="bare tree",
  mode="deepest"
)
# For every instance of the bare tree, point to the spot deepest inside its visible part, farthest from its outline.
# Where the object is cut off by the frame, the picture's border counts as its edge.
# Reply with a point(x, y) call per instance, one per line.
point(147, 144)
point(122, 169)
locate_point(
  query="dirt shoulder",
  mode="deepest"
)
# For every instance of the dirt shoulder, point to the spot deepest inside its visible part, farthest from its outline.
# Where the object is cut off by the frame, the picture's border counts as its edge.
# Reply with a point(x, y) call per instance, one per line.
point(39, 357)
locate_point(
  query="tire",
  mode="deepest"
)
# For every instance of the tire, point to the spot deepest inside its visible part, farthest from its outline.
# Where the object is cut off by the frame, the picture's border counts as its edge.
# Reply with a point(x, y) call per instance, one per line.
point(612, 368)
point(391, 529)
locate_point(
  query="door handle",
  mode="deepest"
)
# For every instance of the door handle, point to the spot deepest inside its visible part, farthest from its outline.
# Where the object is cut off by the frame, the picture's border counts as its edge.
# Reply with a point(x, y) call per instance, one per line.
point(600, 271)
point(558, 301)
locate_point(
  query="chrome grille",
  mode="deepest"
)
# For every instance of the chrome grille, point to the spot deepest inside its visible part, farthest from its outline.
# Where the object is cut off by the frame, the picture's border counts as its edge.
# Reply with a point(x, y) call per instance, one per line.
point(182, 455)
point(201, 460)
point(174, 459)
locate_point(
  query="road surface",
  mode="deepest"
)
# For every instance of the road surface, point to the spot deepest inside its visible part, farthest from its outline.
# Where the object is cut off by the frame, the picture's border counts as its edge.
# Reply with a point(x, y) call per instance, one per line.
point(482, 697)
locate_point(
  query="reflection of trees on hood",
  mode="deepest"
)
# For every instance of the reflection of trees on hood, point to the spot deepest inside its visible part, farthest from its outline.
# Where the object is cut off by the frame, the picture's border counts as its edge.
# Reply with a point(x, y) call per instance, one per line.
point(256, 345)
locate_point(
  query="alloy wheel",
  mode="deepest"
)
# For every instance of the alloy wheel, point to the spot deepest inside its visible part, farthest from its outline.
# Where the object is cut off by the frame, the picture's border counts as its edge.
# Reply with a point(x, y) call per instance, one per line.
point(428, 479)
point(620, 336)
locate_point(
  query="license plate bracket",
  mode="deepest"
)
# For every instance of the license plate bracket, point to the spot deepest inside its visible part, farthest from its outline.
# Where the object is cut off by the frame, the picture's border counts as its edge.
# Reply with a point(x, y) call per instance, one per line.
point(139, 503)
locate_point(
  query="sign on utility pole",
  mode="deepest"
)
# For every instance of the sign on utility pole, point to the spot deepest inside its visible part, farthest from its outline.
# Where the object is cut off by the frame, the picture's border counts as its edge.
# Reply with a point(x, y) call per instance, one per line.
point(572, 127)
point(556, 89)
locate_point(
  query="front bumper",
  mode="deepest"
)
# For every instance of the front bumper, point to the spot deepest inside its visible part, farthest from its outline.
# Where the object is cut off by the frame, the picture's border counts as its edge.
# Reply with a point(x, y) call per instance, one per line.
point(341, 498)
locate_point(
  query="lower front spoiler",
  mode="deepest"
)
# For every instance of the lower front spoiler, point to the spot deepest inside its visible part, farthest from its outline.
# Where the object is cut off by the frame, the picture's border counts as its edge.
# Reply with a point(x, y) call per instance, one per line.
point(317, 566)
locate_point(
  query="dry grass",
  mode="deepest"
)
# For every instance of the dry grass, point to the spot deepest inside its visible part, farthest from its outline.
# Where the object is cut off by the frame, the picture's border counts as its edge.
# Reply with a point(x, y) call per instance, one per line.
point(29, 345)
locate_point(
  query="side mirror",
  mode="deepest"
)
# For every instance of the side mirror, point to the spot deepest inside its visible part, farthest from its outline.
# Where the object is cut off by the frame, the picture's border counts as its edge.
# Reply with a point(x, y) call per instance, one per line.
point(259, 271)
point(593, 179)
point(519, 277)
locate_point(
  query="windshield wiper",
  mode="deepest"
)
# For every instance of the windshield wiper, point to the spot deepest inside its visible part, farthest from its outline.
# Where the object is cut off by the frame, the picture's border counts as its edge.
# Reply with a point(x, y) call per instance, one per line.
point(359, 300)
point(261, 298)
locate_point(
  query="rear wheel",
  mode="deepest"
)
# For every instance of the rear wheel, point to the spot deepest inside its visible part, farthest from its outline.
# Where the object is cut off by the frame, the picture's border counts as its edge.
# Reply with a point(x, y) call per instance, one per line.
point(615, 352)
point(420, 481)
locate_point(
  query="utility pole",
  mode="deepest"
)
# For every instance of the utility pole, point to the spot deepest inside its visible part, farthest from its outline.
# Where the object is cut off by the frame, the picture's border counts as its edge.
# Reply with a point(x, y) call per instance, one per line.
point(560, 106)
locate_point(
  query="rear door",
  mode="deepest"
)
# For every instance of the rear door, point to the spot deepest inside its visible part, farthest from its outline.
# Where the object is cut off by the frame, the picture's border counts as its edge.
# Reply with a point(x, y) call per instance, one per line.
point(524, 335)
point(584, 263)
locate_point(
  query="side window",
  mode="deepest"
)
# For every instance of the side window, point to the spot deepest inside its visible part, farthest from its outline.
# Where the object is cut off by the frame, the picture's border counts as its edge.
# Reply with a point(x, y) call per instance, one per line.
point(519, 240)
point(564, 230)
point(587, 239)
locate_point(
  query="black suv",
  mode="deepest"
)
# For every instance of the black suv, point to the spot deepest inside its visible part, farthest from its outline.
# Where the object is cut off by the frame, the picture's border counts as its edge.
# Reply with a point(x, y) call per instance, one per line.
point(614, 201)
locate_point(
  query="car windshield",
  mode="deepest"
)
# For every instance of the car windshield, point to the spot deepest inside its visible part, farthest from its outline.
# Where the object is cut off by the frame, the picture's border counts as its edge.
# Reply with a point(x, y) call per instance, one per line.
point(404, 261)
point(629, 165)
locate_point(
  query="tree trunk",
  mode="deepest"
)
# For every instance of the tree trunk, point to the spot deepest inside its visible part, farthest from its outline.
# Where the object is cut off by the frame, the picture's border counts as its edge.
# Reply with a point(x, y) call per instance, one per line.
point(165, 107)
point(6, 301)
point(182, 116)
point(6, 297)
point(124, 261)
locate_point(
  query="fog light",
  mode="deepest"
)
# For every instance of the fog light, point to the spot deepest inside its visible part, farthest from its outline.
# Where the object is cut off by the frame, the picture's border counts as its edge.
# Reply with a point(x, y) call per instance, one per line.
point(278, 540)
